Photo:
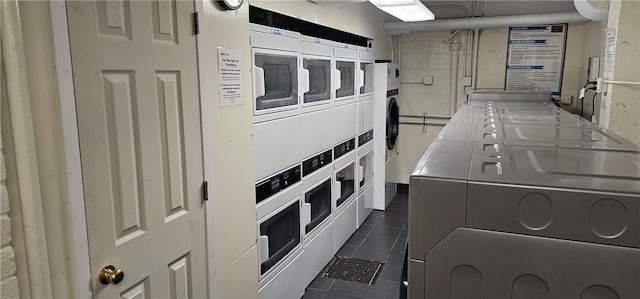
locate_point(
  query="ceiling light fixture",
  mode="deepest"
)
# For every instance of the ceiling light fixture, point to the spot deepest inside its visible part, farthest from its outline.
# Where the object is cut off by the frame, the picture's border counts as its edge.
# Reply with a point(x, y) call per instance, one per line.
point(405, 10)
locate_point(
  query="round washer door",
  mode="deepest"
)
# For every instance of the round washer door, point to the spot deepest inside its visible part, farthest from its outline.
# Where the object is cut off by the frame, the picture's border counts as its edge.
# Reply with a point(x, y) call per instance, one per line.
point(393, 118)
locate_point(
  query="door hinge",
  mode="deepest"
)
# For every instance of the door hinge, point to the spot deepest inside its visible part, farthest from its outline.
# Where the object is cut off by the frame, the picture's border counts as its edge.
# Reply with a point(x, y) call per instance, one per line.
point(205, 191)
point(196, 23)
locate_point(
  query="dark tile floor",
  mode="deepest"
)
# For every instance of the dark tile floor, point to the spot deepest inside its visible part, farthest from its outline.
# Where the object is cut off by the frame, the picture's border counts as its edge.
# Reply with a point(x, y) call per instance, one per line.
point(382, 237)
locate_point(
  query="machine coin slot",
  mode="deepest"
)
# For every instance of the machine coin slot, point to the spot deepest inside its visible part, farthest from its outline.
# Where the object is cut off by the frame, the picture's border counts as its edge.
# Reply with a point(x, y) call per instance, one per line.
point(314, 163)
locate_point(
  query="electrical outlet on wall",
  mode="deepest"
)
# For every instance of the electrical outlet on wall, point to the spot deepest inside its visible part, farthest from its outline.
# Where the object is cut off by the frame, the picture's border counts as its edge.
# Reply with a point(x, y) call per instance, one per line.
point(427, 80)
point(566, 99)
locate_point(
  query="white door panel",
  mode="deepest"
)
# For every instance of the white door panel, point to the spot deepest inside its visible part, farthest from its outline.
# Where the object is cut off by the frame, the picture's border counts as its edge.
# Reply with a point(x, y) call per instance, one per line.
point(136, 85)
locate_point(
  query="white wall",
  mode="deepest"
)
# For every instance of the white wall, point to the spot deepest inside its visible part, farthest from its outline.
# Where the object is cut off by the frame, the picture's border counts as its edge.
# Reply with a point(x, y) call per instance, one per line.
point(232, 181)
point(620, 107)
point(35, 173)
point(425, 54)
point(8, 280)
point(362, 19)
point(47, 126)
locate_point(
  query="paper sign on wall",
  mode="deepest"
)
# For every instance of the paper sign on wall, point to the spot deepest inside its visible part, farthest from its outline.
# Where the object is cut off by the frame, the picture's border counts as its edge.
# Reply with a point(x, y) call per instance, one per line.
point(230, 77)
point(535, 58)
point(611, 46)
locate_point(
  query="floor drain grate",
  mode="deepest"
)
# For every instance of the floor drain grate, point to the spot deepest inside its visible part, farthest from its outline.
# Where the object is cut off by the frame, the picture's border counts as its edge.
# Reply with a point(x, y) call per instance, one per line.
point(350, 269)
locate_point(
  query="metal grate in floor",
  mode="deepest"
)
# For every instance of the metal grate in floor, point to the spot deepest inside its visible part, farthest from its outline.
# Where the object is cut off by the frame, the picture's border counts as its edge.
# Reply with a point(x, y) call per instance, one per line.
point(350, 269)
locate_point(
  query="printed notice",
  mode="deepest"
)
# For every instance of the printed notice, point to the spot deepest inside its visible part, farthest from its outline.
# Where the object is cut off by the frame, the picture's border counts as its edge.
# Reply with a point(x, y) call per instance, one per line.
point(535, 58)
point(608, 55)
point(230, 76)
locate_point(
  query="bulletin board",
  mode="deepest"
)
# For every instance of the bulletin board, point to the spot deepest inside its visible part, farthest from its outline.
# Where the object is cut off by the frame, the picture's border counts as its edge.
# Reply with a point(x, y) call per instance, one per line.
point(535, 58)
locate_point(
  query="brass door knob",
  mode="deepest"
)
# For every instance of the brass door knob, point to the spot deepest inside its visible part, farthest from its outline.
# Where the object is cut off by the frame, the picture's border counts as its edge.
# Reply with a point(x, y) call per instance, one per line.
point(109, 274)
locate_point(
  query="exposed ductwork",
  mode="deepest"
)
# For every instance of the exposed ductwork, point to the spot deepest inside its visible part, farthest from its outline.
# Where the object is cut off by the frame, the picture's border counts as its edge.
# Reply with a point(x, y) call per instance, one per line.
point(592, 9)
point(485, 22)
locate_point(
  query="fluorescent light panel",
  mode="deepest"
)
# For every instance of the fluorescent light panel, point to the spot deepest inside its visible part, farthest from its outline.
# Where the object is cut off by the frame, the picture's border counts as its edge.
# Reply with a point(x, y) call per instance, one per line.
point(405, 10)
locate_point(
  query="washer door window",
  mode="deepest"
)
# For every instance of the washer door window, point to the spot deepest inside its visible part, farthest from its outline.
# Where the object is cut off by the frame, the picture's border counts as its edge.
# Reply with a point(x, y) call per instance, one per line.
point(366, 169)
point(317, 73)
point(345, 183)
point(393, 123)
point(278, 235)
point(346, 69)
point(275, 82)
point(317, 205)
point(366, 69)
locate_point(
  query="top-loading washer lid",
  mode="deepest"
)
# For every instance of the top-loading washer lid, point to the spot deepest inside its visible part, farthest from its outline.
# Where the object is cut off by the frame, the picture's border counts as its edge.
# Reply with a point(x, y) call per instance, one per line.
point(393, 118)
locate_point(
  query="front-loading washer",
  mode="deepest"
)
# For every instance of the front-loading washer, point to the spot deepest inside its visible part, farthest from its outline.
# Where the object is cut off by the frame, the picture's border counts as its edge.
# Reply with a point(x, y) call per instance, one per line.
point(346, 72)
point(316, 214)
point(365, 65)
point(387, 113)
point(365, 176)
point(344, 198)
point(316, 74)
point(276, 99)
point(365, 165)
point(279, 235)
point(275, 60)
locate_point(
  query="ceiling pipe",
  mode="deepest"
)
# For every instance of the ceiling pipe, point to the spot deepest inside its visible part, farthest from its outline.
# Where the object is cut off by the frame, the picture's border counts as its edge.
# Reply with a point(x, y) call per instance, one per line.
point(591, 10)
point(485, 22)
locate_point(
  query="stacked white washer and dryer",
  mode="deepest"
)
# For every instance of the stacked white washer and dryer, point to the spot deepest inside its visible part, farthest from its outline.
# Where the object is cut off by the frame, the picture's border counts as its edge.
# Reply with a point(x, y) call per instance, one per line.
point(386, 124)
point(305, 100)
point(316, 143)
point(365, 146)
point(278, 152)
point(317, 90)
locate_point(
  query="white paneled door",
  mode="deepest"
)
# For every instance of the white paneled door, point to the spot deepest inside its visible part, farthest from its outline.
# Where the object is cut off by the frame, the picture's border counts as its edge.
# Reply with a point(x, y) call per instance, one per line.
point(136, 86)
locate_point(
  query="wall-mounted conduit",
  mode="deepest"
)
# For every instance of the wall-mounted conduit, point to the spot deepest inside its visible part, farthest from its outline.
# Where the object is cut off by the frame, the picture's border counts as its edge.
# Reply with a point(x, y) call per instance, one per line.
point(484, 22)
point(443, 120)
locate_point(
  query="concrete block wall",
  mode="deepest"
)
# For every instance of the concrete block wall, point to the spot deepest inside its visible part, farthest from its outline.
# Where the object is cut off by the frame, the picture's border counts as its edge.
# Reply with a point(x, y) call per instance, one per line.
point(620, 106)
point(428, 53)
point(8, 280)
point(425, 54)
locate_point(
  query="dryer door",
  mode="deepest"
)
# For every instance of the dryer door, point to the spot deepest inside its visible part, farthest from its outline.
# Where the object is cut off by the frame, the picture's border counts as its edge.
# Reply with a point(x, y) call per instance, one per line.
point(393, 118)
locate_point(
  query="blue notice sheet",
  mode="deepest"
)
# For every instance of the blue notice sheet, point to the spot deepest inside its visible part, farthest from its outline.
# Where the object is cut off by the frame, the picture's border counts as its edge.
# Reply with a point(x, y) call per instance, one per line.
point(535, 58)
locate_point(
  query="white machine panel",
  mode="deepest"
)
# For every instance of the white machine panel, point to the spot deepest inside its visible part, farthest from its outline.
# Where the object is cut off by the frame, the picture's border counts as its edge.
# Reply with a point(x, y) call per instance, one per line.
point(365, 116)
point(344, 122)
point(288, 283)
point(317, 132)
point(364, 202)
point(276, 145)
point(345, 223)
point(318, 251)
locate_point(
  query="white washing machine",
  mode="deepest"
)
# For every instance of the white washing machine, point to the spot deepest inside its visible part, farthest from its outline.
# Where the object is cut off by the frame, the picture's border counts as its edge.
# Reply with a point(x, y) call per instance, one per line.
point(386, 111)
point(317, 97)
point(344, 189)
point(276, 99)
point(345, 129)
point(366, 59)
point(365, 174)
point(365, 158)
point(316, 74)
point(279, 238)
point(346, 72)
point(275, 60)
point(277, 147)
point(316, 214)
